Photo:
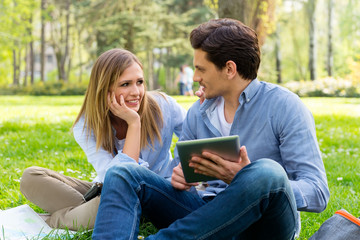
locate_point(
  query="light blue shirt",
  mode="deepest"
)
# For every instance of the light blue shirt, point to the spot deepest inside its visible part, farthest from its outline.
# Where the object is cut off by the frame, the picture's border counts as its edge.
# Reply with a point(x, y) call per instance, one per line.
point(271, 122)
point(158, 159)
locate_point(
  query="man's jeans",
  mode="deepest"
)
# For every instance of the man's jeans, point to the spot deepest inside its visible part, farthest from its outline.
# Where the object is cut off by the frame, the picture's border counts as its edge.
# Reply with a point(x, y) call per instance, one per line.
point(258, 204)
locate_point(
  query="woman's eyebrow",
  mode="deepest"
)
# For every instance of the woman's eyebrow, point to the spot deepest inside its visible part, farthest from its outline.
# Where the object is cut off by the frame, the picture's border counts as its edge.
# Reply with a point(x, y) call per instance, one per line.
point(124, 81)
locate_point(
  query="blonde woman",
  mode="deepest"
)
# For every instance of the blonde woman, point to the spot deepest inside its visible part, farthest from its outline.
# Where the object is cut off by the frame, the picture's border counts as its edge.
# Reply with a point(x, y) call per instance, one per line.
point(119, 122)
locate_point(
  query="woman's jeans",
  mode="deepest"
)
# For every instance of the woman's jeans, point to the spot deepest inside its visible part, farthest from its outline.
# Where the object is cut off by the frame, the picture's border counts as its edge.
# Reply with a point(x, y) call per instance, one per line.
point(258, 204)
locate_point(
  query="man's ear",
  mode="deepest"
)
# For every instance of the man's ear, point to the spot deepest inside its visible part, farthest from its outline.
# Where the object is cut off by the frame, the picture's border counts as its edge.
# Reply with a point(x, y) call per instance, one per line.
point(231, 69)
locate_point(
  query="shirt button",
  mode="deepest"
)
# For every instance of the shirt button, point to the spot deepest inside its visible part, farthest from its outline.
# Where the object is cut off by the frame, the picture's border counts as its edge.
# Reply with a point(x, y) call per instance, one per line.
point(248, 100)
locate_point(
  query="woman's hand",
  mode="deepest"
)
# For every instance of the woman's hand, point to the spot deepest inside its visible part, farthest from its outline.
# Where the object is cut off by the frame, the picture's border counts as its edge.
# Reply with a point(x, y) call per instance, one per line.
point(200, 94)
point(121, 110)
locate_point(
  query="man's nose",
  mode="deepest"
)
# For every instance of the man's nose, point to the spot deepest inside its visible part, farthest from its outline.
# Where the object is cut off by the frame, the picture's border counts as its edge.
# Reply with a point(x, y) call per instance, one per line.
point(196, 78)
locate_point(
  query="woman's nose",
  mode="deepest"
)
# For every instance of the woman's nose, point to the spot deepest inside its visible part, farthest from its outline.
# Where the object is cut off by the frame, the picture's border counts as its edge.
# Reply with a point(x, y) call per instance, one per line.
point(135, 90)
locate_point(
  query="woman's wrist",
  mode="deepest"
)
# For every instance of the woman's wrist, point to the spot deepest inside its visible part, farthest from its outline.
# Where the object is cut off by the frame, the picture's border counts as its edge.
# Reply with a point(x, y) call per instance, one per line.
point(135, 123)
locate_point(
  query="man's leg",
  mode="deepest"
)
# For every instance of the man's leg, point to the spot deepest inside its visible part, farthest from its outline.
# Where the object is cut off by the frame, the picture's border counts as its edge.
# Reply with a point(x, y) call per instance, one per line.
point(130, 190)
point(258, 204)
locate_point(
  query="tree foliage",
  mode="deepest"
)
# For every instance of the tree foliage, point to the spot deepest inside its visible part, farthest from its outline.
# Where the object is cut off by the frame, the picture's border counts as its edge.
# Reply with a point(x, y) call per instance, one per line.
point(157, 31)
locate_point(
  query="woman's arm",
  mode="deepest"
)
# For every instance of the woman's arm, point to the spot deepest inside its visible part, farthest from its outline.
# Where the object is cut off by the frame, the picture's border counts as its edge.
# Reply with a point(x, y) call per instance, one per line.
point(132, 118)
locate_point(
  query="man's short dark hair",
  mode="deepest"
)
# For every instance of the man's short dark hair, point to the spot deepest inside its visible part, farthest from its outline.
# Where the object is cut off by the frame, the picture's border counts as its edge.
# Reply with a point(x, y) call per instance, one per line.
point(228, 39)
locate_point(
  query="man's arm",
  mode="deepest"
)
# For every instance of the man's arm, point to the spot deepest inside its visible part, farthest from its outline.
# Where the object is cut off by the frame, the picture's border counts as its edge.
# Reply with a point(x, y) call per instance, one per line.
point(178, 179)
point(301, 156)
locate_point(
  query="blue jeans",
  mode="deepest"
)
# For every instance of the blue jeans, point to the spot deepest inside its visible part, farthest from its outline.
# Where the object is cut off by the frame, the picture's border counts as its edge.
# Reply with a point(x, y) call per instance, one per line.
point(258, 204)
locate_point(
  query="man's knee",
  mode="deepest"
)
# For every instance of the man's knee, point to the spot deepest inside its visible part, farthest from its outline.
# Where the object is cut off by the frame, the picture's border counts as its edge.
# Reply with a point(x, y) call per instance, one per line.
point(270, 168)
point(264, 173)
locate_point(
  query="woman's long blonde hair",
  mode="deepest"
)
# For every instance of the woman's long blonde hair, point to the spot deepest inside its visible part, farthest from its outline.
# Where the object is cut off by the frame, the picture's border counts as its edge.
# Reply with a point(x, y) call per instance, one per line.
point(106, 70)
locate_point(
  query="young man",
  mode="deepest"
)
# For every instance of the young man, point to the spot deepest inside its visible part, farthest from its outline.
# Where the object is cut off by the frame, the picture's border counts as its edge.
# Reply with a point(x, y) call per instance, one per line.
point(255, 199)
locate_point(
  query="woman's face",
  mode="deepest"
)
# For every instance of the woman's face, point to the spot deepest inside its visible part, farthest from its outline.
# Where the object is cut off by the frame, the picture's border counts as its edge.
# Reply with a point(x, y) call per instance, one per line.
point(131, 86)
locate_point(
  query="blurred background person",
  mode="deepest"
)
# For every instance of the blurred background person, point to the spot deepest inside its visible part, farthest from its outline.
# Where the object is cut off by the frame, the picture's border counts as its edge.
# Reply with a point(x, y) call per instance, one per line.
point(188, 75)
point(180, 80)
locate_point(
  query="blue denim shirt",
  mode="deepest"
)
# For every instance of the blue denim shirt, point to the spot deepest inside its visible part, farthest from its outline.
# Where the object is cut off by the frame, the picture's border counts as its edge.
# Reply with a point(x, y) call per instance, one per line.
point(271, 122)
point(158, 159)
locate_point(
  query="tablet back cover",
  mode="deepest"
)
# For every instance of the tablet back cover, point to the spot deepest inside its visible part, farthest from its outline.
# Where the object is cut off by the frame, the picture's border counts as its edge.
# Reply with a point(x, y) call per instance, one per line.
point(227, 147)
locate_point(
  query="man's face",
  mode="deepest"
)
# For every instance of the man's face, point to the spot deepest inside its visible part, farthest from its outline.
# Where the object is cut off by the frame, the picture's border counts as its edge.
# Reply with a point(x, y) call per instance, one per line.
point(207, 75)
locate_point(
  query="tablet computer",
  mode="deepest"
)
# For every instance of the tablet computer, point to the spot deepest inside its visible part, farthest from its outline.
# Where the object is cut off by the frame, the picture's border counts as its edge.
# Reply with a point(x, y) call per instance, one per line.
point(227, 147)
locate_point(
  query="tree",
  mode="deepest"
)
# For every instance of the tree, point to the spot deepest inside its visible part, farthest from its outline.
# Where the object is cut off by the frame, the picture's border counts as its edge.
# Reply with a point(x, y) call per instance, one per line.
point(329, 62)
point(179, 18)
point(42, 51)
point(31, 52)
point(278, 54)
point(311, 9)
point(257, 14)
point(59, 40)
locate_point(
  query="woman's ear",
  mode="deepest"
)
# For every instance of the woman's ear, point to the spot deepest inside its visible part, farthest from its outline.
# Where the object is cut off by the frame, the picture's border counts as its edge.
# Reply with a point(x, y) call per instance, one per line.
point(231, 69)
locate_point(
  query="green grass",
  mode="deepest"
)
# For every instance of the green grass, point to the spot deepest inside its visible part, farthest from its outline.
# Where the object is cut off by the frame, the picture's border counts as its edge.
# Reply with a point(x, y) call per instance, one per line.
point(36, 131)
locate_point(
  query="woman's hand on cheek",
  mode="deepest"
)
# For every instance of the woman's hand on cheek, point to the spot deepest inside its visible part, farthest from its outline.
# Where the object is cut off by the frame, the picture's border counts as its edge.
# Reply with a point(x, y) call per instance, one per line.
point(121, 110)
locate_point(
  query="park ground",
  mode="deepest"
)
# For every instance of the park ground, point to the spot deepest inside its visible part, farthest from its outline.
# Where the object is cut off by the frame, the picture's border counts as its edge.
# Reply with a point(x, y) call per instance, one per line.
point(37, 131)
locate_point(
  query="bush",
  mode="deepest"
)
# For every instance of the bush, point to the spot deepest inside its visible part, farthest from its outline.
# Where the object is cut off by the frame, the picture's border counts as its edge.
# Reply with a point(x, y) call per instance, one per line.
point(46, 89)
point(326, 87)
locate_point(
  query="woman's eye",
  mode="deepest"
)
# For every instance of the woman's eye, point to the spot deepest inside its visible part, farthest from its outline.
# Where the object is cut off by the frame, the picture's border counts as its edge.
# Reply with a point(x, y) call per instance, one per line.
point(140, 82)
point(124, 84)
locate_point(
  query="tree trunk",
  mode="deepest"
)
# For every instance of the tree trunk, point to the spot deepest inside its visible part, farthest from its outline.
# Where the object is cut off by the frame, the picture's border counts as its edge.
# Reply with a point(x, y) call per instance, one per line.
point(257, 14)
point(150, 68)
point(68, 69)
point(80, 55)
point(15, 79)
point(329, 62)
point(16, 65)
point(42, 53)
point(31, 62)
point(169, 85)
point(278, 54)
point(19, 64)
point(26, 58)
point(158, 72)
point(312, 38)
point(129, 44)
point(235, 9)
point(65, 56)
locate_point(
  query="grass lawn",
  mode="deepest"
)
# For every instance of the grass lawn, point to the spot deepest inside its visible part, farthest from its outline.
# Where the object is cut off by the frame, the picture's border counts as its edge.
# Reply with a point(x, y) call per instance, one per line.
point(36, 131)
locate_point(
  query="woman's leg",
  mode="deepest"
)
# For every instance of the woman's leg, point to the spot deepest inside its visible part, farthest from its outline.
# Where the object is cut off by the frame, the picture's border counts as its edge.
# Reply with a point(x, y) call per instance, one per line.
point(76, 218)
point(61, 196)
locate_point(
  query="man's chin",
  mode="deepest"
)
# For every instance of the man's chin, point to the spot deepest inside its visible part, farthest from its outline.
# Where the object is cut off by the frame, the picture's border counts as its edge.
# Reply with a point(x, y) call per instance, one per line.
point(209, 96)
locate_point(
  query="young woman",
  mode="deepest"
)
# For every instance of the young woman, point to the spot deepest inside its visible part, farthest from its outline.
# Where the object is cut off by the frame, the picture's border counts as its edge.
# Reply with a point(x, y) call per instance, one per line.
point(119, 121)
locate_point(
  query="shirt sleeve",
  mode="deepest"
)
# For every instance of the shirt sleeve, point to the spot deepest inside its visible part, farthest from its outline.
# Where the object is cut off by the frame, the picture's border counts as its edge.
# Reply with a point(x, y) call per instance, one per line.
point(100, 159)
point(178, 114)
point(301, 156)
